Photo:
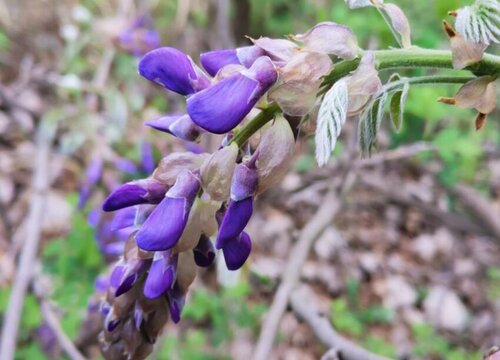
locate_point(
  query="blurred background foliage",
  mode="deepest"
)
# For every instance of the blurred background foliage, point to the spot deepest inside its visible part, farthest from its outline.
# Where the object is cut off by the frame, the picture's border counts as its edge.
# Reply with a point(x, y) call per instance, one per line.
point(210, 317)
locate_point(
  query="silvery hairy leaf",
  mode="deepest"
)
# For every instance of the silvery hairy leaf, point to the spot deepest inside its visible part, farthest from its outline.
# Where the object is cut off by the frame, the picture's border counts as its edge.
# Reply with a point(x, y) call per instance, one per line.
point(398, 100)
point(331, 117)
point(480, 22)
point(369, 124)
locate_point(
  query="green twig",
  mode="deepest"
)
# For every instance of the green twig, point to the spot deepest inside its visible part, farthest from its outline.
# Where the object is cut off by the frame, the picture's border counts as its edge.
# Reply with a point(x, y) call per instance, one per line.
point(384, 60)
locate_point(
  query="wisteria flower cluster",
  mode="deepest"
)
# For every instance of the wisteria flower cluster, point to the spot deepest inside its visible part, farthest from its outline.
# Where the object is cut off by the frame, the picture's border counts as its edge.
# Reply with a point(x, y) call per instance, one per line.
point(171, 217)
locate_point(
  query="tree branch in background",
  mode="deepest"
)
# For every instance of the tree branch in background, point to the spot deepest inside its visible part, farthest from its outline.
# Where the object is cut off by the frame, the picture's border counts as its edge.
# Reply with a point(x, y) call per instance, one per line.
point(24, 271)
point(302, 302)
point(298, 255)
point(52, 321)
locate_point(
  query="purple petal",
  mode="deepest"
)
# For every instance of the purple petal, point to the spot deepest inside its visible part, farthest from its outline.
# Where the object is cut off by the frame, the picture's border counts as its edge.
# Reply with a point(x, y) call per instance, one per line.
point(222, 106)
point(236, 251)
point(176, 301)
point(204, 252)
point(101, 284)
point(235, 219)
point(126, 166)
point(132, 271)
point(173, 69)
point(94, 170)
point(161, 275)
point(113, 249)
point(123, 218)
point(94, 217)
point(249, 54)
point(147, 157)
point(134, 193)
point(213, 61)
point(244, 183)
point(179, 126)
point(117, 274)
point(84, 195)
point(164, 227)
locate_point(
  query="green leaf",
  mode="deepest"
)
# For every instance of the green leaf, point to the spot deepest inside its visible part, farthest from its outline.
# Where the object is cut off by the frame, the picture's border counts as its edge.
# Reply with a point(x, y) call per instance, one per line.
point(396, 108)
point(369, 124)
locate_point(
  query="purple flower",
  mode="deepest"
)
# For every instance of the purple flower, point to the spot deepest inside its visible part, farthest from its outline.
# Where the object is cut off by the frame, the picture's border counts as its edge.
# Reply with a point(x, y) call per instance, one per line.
point(147, 157)
point(237, 250)
point(164, 227)
point(92, 177)
point(146, 191)
point(161, 275)
point(240, 206)
point(204, 252)
point(126, 166)
point(222, 106)
point(123, 218)
point(176, 300)
point(140, 37)
point(174, 70)
point(126, 273)
point(180, 126)
point(213, 61)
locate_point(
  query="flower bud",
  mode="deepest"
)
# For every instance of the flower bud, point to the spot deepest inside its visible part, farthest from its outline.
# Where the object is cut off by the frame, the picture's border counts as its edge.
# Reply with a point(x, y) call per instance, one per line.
point(330, 38)
point(133, 193)
point(278, 50)
point(171, 165)
point(217, 172)
point(299, 82)
point(274, 154)
point(362, 84)
point(464, 52)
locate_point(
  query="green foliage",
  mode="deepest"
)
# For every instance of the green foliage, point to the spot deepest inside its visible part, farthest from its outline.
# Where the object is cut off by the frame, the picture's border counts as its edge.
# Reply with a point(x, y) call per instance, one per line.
point(73, 262)
point(222, 314)
point(493, 281)
point(4, 41)
point(429, 344)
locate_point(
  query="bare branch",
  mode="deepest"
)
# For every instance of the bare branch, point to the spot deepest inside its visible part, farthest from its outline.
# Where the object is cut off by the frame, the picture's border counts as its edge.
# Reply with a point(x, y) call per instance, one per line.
point(302, 302)
point(28, 254)
point(313, 229)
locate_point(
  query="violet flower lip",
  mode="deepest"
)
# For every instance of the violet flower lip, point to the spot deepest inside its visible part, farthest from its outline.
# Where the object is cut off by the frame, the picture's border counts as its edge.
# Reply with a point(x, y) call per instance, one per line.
point(165, 225)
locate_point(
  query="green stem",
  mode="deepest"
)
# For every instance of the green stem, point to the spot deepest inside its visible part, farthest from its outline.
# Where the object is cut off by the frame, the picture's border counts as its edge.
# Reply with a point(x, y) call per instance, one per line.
point(427, 80)
point(386, 59)
point(414, 58)
point(255, 124)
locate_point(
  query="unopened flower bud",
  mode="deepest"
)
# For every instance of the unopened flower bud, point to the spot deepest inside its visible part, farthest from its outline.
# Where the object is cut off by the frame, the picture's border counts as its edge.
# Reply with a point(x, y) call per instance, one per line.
point(274, 154)
point(330, 38)
point(217, 172)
